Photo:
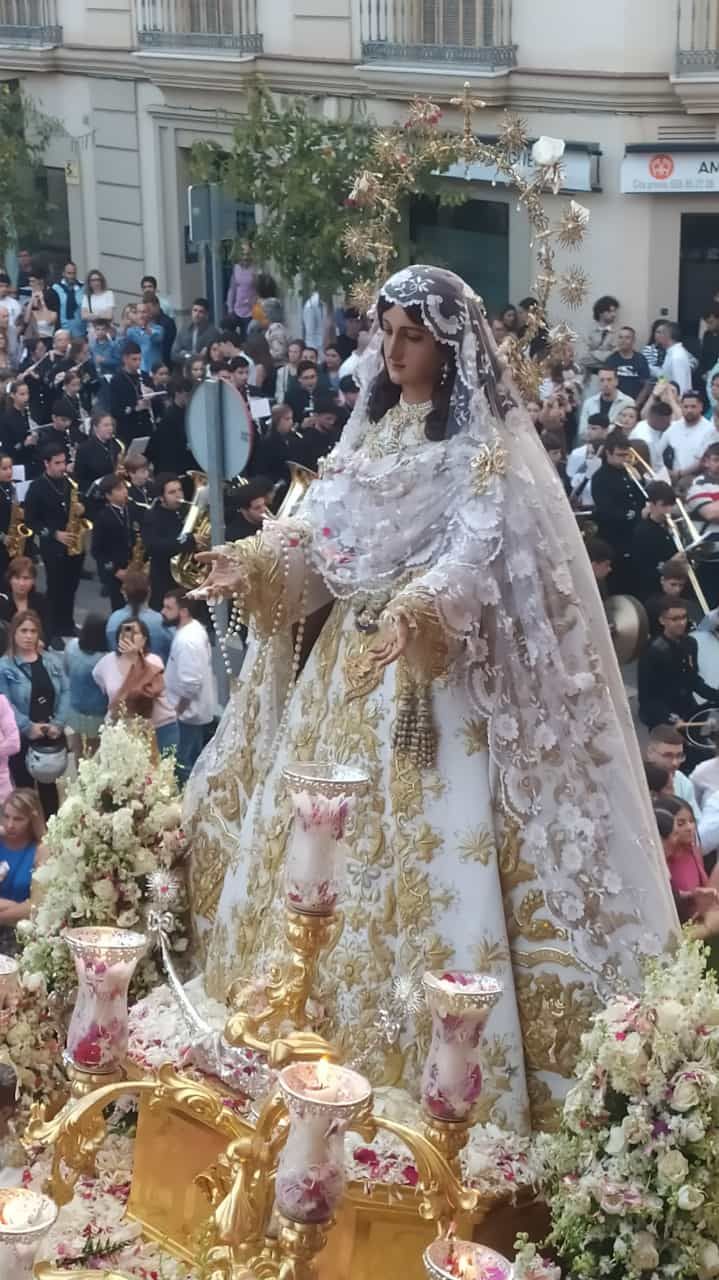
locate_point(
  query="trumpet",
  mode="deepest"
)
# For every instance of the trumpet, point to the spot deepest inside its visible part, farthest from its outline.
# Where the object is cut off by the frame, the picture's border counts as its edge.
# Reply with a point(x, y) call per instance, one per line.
point(687, 545)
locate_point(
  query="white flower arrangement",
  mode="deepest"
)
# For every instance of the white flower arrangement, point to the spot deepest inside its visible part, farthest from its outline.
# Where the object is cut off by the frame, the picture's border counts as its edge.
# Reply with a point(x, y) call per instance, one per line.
point(119, 823)
point(633, 1174)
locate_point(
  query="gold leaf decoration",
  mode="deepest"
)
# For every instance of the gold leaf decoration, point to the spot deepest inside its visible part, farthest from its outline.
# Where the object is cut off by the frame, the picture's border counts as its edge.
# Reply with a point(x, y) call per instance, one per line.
point(574, 287)
point(573, 225)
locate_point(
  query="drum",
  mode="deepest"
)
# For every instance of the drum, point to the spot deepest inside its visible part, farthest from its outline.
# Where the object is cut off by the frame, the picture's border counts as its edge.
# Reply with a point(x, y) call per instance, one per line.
point(629, 626)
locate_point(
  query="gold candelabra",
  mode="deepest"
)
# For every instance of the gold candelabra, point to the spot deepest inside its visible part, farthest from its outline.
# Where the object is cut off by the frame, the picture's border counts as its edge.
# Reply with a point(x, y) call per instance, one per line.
point(278, 1181)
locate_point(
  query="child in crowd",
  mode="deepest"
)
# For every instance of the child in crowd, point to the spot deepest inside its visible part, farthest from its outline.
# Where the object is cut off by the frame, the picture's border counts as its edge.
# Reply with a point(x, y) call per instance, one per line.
point(696, 897)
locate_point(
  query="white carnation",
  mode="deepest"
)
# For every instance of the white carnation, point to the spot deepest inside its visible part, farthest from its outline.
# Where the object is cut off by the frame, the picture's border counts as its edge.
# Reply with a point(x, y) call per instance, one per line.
point(690, 1198)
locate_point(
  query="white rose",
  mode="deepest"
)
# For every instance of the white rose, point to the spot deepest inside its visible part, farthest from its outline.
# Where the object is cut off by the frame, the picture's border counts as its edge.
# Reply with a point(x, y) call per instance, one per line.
point(685, 1095)
point(689, 1198)
point(617, 1141)
point(669, 1015)
point(33, 982)
point(709, 1260)
point(694, 1130)
point(672, 1167)
point(547, 151)
point(645, 1255)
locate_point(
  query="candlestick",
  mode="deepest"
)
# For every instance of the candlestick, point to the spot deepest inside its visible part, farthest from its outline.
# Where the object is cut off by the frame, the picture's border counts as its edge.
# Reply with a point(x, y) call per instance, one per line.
point(323, 798)
point(449, 1259)
point(460, 1004)
point(105, 960)
point(322, 1099)
point(25, 1217)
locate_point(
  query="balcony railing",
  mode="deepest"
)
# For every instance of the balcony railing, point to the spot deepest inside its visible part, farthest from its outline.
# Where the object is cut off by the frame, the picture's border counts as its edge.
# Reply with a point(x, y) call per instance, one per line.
point(211, 26)
point(30, 22)
point(697, 37)
point(467, 33)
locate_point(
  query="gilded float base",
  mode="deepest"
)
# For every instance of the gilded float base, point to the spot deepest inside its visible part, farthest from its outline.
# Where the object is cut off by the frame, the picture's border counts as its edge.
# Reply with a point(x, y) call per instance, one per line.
point(377, 1237)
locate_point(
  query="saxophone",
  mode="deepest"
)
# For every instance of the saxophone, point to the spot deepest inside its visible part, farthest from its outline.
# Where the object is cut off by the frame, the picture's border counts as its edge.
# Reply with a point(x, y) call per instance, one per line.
point(77, 525)
point(17, 532)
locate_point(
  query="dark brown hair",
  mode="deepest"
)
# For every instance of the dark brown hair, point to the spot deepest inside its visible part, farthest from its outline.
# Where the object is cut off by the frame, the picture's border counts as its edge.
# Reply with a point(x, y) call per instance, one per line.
point(28, 615)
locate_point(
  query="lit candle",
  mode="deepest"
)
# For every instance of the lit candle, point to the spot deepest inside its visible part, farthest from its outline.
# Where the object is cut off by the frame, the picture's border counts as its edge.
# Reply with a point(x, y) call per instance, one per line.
point(25, 1217)
point(450, 1259)
point(321, 1099)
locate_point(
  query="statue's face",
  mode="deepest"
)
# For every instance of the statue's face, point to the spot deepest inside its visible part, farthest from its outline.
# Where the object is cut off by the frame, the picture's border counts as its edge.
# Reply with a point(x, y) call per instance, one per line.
point(413, 357)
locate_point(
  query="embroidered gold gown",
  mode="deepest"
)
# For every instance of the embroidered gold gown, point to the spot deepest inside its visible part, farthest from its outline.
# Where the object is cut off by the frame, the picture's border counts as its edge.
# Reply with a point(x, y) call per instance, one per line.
point(437, 875)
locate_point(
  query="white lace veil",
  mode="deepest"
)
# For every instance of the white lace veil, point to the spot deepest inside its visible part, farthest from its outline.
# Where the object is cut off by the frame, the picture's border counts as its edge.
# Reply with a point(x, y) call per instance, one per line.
point(480, 524)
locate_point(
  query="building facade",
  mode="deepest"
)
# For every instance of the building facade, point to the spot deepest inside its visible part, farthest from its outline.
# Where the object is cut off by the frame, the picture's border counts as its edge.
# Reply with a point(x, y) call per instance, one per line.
point(634, 90)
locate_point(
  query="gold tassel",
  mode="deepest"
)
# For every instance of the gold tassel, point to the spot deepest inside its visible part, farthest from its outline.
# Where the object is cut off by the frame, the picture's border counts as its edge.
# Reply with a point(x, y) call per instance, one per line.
point(414, 733)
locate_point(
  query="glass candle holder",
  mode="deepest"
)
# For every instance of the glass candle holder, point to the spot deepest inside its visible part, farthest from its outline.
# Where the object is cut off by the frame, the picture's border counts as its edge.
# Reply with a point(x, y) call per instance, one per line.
point(322, 1099)
point(25, 1217)
point(323, 798)
point(448, 1259)
point(460, 1004)
point(105, 960)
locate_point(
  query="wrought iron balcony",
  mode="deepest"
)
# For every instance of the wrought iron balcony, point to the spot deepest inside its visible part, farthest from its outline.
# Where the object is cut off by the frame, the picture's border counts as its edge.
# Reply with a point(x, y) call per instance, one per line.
point(194, 26)
point(697, 37)
point(30, 22)
point(463, 33)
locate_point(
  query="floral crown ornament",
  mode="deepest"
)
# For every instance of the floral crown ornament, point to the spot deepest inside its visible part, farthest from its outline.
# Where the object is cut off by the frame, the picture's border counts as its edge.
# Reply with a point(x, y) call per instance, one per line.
point(403, 156)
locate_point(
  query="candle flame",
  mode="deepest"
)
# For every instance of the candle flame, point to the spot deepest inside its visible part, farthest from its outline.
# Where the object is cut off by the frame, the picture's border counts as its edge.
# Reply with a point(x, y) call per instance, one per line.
point(323, 1072)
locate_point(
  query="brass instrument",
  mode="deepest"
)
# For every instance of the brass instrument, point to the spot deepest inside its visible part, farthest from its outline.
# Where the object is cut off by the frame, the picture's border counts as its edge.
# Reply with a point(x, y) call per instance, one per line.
point(684, 548)
point(77, 526)
point(17, 532)
point(300, 480)
point(183, 567)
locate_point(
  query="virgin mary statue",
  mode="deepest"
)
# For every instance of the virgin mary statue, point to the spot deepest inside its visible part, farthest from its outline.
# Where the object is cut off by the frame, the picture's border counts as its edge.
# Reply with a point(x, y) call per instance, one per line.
point(465, 664)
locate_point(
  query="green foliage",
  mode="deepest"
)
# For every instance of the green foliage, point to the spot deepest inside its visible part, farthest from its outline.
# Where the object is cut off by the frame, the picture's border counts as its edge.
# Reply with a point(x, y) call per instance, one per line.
point(24, 134)
point(299, 169)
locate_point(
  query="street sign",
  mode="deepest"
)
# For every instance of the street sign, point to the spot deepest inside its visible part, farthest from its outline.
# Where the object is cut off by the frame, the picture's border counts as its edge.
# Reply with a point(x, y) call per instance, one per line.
point(217, 406)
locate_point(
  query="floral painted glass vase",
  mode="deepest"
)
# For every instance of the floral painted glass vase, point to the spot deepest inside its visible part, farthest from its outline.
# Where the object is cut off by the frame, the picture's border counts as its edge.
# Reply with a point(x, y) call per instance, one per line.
point(105, 960)
point(322, 1100)
point(323, 798)
point(460, 1004)
point(25, 1217)
point(448, 1258)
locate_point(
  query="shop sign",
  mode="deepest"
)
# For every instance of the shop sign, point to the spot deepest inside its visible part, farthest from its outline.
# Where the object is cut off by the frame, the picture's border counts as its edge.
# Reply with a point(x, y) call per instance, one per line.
point(670, 172)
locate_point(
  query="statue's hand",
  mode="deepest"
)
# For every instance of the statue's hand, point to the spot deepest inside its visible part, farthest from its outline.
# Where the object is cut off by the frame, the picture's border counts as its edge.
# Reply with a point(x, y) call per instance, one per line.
point(226, 577)
point(393, 644)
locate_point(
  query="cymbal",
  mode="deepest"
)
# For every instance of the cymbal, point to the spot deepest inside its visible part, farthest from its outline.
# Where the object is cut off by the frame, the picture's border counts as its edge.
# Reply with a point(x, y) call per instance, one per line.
point(629, 626)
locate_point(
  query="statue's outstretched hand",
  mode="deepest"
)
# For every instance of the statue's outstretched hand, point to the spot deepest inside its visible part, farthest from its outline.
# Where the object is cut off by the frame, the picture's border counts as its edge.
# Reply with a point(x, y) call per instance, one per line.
point(393, 644)
point(226, 577)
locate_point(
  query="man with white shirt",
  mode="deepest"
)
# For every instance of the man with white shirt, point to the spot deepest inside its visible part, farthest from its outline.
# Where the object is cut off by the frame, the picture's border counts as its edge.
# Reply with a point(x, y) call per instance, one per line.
point(653, 432)
point(687, 440)
point(189, 678)
point(584, 461)
point(677, 365)
point(608, 404)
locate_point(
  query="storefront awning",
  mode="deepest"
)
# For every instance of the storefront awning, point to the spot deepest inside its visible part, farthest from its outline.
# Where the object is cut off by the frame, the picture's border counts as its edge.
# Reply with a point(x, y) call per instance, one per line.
point(670, 171)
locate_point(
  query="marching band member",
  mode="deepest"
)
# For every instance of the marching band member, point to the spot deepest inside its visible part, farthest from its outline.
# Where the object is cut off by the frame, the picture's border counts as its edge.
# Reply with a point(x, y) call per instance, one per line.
point(7, 498)
point(128, 404)
point(99, 455)
point(113, 537)
point(49, 511)
point(138, 476)
point(18, 431)
point(618, 505)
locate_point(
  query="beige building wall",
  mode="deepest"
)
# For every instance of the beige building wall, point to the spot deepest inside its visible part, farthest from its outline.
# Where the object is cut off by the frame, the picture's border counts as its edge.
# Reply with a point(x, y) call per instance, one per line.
point(598, 74)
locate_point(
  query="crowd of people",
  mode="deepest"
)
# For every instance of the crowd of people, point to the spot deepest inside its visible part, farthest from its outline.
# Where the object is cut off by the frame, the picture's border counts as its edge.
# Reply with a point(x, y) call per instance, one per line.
point(93, 435)
point(634, 436)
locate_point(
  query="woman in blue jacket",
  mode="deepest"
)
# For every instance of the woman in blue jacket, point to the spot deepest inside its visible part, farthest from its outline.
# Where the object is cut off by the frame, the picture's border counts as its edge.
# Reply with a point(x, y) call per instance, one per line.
point(34, 682)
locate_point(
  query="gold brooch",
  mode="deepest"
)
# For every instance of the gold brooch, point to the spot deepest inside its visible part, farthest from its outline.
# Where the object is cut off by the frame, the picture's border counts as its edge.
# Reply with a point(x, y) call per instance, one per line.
point(490, 461)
